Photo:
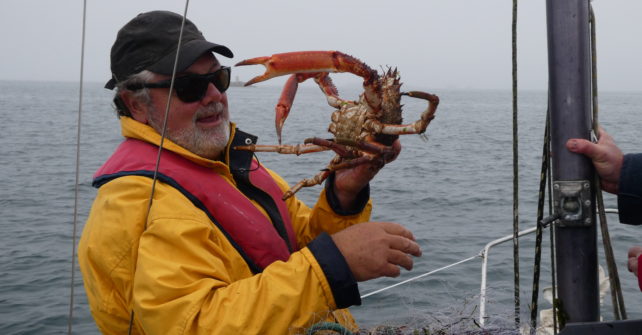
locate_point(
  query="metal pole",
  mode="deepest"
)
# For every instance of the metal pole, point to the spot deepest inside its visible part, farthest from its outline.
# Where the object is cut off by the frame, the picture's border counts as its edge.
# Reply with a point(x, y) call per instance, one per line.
point(573, 198)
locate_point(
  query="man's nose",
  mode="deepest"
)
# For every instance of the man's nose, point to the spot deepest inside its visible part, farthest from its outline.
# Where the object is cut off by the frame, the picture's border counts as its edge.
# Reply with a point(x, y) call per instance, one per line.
point(211, 95)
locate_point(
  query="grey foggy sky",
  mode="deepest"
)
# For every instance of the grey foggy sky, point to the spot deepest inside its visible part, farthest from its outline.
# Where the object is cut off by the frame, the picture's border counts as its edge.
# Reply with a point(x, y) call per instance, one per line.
point(434, 43)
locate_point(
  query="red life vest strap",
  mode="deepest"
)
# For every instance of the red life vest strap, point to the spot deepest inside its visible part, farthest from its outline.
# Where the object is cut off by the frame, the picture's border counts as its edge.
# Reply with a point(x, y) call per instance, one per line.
point(253, 235)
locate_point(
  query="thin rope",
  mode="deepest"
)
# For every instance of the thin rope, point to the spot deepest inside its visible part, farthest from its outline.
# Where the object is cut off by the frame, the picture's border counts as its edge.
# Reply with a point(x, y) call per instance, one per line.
point(619, 309)
point(420, 276)
point(553, 250)
point(515, 168)
point(540, 216)
point(77, 177)
point(164, 130)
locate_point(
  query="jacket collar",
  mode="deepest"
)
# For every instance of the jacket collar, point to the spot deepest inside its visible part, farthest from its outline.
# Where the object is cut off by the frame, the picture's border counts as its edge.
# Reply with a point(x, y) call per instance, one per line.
point(131, 128)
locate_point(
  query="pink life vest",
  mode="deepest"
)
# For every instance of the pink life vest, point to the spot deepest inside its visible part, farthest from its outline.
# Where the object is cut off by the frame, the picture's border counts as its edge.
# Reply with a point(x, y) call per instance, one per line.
point(259, 240)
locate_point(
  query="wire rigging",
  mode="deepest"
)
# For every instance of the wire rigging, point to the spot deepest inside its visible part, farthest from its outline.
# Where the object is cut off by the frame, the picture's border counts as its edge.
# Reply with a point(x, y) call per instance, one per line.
point(163, 134)
point(77, 173)
point(166, 117)
point(515, 167)
point(619, 309)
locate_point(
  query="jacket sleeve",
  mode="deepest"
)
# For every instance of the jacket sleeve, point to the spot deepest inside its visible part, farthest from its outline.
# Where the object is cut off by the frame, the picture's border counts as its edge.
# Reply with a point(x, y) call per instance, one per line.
point(312, 227)
point(189, 280)
point(629, 197)
point(326, 215)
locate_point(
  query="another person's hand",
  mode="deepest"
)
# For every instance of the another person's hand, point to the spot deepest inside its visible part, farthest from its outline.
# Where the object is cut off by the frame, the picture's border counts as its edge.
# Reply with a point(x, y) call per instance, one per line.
point(634, 254)
point(606, 156)
point(349, 182)
point(376, 249)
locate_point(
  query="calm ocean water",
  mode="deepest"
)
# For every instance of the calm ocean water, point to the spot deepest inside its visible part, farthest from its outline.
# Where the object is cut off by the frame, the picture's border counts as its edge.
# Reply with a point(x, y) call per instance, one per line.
point(453, 191)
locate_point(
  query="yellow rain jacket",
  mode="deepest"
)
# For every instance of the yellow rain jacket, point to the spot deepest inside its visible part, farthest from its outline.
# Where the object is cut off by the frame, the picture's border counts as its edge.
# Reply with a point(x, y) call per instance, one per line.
point(178, 274)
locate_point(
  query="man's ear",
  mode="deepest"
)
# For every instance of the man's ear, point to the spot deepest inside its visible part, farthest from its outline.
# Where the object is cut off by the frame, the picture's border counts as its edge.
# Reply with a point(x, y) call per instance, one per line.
point(137, 109)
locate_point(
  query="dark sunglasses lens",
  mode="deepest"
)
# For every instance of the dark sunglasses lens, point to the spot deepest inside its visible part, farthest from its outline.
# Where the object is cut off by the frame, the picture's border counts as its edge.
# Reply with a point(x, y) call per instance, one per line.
point(191, 88)
point(221, 79)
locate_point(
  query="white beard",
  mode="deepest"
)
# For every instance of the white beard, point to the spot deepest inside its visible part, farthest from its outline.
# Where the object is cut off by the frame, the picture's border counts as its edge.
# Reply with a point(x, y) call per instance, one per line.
point(208, 143)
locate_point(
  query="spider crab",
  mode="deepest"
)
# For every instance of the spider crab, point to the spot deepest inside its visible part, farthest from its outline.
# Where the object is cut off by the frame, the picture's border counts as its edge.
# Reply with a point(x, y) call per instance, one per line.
point(363, 130)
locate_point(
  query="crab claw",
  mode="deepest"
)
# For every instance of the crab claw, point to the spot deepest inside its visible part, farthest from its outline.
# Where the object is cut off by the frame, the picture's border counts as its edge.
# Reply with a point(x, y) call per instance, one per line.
point(287, 98)
point(303, 65)
point(308, 62)
point(283, 107)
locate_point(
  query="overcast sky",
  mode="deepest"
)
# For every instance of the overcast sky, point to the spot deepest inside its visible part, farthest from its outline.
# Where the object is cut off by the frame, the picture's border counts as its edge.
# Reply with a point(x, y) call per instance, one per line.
point(434, 43)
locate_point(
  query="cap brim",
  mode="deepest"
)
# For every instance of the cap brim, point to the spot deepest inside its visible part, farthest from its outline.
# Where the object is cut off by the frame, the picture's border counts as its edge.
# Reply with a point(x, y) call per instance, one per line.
point(189, 53)
point(110, 84)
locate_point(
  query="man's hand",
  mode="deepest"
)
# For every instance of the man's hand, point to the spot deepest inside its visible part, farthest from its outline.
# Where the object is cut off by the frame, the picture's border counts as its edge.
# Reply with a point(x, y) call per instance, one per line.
point(376, 249)
point(349, 182)
point(634, 254)
point(606, 156)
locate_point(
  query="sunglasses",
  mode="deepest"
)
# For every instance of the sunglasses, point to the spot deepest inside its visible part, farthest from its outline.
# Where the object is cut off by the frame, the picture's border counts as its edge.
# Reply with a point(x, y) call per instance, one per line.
point(192, 87)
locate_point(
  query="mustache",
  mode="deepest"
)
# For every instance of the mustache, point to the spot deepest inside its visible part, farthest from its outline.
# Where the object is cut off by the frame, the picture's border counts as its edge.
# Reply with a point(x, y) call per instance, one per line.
point(209, 110)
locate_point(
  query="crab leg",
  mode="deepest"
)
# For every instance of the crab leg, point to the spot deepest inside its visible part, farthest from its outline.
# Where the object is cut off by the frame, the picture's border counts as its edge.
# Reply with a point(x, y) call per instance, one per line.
point(418, 127)
point(283, 149)
point(339, 149)
point(316, 180)
point(372, 147)
point(289, 91)
point(365, 159)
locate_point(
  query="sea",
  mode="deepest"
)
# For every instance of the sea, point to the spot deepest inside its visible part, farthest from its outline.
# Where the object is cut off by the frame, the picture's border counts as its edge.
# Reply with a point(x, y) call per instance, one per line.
point(452, 189)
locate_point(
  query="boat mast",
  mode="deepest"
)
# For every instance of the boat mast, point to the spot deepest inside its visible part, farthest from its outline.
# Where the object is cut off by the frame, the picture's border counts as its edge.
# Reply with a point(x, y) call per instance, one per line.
point(573, 196)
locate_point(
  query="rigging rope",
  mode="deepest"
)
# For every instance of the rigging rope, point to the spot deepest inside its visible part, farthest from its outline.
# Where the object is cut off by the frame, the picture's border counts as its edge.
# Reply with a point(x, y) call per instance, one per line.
point(619, 310)
point(540, 214)
point(515, 168)
point(77, 173)
point(421, 276)
point(552, 237)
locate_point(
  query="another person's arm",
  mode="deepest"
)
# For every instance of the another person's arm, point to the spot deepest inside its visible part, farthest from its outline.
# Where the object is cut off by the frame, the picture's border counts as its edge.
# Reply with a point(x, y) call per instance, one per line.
point(620, 174)
point(606, 156)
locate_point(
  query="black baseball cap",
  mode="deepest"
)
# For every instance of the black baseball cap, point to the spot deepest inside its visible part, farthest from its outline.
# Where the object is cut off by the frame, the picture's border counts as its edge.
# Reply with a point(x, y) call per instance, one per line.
point(149, 42)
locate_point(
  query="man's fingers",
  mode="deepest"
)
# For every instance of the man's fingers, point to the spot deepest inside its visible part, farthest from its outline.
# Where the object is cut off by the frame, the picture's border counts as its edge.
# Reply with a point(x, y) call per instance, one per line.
point(635, 251)
point(396, 145)
point(391, 270)
point(633, 262)
point(582, 146)
point(397, 229)
point(401, 259)
point(405, 245)
point(634, 254)
point(602, 134)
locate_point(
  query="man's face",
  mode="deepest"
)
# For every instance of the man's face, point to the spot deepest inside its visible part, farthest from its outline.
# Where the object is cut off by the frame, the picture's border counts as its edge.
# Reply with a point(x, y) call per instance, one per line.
point(202, 127)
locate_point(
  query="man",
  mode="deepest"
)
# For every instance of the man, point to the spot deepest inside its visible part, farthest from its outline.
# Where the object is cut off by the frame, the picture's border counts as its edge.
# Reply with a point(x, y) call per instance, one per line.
point(217, 251)
point(622, 175)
